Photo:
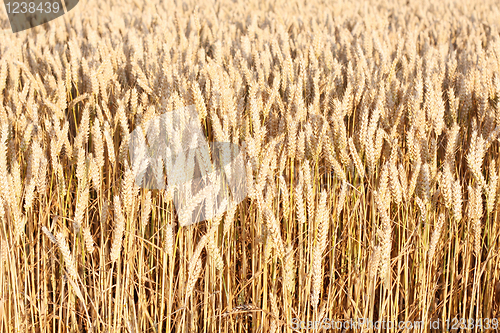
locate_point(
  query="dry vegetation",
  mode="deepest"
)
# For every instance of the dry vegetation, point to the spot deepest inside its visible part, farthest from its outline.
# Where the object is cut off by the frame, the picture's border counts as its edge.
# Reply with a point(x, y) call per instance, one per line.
point(371, 134)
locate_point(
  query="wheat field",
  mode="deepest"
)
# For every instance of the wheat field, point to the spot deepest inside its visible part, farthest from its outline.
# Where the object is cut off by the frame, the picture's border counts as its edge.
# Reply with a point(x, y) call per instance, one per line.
point(370, 132)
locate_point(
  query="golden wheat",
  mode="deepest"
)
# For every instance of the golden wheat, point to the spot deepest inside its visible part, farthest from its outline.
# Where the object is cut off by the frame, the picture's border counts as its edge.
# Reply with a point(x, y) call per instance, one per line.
point(369, 142)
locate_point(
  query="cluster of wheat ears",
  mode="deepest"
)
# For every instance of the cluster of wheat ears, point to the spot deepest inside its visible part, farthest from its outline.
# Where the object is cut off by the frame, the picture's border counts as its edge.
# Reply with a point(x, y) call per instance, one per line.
point(370, 132)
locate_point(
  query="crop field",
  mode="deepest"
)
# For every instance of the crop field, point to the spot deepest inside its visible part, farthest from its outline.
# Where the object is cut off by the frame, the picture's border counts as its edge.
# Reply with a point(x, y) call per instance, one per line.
point(368, 136)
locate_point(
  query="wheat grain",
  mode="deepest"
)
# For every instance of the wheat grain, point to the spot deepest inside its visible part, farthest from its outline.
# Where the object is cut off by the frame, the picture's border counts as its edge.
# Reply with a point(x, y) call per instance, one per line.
point(119, 219)
point(436, 234)
point(89, 240)
point(67, 256)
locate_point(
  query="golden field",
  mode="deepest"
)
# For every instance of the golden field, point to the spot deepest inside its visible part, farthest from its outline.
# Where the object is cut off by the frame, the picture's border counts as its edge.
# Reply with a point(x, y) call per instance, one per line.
point(370, 131)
